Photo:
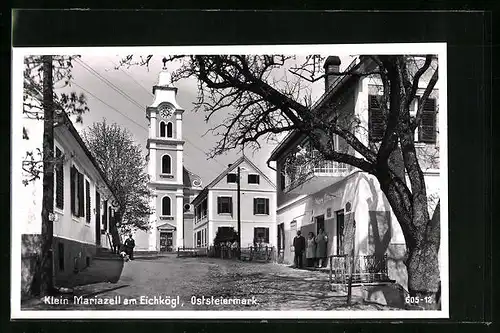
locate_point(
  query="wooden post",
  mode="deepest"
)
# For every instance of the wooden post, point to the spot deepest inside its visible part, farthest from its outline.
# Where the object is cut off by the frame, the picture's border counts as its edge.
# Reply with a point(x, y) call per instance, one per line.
point(331, 270)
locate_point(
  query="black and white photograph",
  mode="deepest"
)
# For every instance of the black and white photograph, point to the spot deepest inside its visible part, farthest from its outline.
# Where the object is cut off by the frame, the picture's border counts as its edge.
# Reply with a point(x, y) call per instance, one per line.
point(277, 181)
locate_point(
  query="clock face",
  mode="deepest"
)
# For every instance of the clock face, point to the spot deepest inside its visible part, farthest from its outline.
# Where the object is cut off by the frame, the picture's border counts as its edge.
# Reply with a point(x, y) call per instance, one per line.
point(165, 110)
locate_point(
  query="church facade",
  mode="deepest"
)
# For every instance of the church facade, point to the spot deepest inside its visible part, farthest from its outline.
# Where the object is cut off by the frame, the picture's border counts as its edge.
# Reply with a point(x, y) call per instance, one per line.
point(173, 186)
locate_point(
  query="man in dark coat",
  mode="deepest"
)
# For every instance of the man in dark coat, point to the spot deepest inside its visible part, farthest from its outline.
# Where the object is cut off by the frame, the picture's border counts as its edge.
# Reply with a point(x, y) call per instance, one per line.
point(129, 247)
point(299, 245)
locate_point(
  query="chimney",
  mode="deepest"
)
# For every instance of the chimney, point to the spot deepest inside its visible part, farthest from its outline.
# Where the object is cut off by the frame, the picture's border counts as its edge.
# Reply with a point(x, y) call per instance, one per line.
point(229, 165)
point(332, 65)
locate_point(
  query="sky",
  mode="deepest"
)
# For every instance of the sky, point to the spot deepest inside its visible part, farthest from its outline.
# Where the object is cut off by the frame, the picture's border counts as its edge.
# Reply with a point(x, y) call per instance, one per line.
point(122, 95)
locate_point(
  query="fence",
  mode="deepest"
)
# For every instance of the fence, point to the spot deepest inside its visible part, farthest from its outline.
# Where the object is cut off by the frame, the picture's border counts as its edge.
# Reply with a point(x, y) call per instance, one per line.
point(363, 269)
point(251, 253)
point(192, 252)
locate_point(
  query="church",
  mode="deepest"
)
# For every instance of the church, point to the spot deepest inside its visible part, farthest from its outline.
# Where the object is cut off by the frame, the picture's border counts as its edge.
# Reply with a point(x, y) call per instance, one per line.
point(173, 186)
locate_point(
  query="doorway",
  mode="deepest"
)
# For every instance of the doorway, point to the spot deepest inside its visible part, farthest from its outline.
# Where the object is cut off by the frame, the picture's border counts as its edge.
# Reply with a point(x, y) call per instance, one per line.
point(320, 223)
point(166, 241)
point(340, 231)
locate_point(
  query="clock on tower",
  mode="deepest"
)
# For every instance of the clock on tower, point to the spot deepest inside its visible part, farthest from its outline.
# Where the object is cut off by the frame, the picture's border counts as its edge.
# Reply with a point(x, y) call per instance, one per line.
point(165, 110)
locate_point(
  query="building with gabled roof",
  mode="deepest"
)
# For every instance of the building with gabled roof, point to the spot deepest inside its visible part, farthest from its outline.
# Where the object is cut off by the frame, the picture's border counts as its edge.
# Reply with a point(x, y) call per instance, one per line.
point(215, 207)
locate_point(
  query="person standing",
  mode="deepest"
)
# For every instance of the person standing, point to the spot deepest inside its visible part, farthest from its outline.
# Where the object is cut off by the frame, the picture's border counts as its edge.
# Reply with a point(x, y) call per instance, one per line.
point(299, 244)
point(311, 250)
point(129, 247)
point(321, 242)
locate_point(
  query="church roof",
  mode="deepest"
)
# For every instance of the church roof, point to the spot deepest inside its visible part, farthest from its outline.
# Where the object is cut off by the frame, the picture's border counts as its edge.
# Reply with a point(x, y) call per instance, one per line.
point(191, 179)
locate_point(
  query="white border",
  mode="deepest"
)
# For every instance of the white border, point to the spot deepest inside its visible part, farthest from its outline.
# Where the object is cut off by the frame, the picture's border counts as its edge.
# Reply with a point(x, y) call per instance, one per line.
point(340, 50)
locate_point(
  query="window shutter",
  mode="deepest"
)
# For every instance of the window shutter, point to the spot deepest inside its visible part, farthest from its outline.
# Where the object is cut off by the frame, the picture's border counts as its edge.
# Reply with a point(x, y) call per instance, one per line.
point(267, 206)
point(427, 128)
point(255, 206)
point(59, 182)
point(266, 230)
point(87, 200)
point(81, 206)
point(105, 216)
point(218, 205)
point(230, 202)
point(376, 123)
point(72, 188)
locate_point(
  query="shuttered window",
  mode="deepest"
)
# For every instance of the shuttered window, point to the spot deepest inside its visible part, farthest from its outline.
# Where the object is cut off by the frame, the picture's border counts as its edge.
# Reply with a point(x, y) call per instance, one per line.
point(77, 192)
point(224, 205)
point(59, 181)
point(261, 206)
point(376, 121)
point(427, 129)
point(87, 201)
point(81, 193)
point(105, 216)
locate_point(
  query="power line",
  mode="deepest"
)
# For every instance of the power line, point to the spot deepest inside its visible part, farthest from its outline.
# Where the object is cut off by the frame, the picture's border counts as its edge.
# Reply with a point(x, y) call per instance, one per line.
point(132, 120)
point(131, 77)
point(107, 82)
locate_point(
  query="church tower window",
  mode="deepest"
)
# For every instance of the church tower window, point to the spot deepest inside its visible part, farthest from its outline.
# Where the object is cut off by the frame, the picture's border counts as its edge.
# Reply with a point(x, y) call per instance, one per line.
point(166, 164)
point(162, 129)
point(170, 130)
point(166, 206)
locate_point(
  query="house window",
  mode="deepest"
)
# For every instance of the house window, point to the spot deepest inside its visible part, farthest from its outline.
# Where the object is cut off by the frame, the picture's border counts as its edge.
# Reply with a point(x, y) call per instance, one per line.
point(59, 173)
point(162, 129)
point(253, 179)
point(224, 205)
point(204, 208)
point(232, 177)
point(261, 206)
point(166, 164)
point(166, 206)
point(261, 235)
point(87, 201)
point(170, 130)
point(376, 122)
point(427, 128)
point(77, 192)
point(105, 216)
point(198, 239)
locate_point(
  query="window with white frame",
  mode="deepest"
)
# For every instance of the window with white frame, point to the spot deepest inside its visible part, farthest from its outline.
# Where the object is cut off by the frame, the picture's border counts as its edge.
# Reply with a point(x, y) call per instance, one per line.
point(224, 205)
point(170, 130)
point(261, 206)
point(166, 206)
point(77, 192)
point(166, 164)
point(232, 178)
point(261, 235)
point(253, 179)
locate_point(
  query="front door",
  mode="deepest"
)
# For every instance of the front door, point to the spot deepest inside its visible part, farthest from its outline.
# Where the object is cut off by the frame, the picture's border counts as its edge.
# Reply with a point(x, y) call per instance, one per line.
point(166, 241)
point(340, 232)
point(97, 219)
point(320, 223)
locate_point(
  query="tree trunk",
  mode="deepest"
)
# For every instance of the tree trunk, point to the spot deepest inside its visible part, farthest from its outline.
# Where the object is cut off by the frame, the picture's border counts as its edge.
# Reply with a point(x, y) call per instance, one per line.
point(43, 279)
point(422, 243)
point(424, 280)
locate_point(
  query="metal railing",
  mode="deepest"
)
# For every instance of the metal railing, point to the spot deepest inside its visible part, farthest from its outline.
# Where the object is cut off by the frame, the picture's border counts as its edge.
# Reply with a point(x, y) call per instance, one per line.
point(309, 170)
point(251, 253)
point(362, 269)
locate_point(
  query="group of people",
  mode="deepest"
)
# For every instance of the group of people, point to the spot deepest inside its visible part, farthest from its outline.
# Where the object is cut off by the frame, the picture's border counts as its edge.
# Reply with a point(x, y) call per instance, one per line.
point(315, 249)
point(127, 248)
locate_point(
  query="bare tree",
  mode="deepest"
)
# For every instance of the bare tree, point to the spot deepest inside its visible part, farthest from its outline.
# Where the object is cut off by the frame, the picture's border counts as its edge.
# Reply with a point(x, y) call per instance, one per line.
point(124, 166)
point(260, 106)
point(41, 102)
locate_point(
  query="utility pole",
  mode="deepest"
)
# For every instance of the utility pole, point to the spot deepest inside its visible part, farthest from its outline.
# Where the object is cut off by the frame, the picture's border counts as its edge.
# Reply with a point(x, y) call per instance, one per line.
point(43, 279)
point(239, 212)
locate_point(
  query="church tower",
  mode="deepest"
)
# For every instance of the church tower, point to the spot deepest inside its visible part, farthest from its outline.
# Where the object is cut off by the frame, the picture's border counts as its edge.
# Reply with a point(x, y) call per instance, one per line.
point(171, 184)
